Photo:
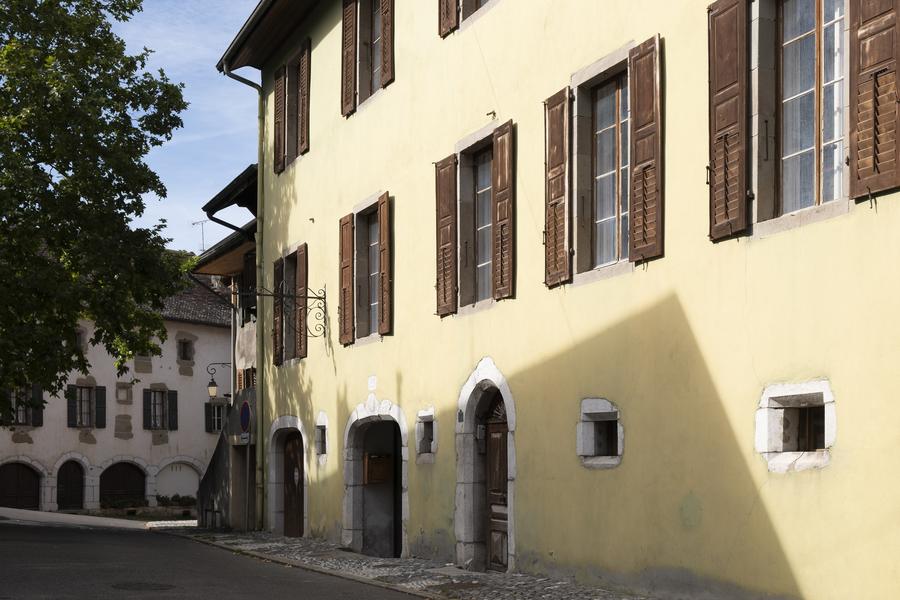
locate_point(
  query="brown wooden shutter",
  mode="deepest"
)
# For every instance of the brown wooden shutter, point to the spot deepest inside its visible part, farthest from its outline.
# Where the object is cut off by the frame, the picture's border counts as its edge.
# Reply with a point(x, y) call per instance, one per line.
point(345, 310)
point(385, 268)
point(503, 196)
point(387, 42)
point(445, 191)
point(348, 59)
point(300, 302)
point(646, 152)
point(874, 152)
point(279, 121)
point(303, 76)
point(729, 24)
point(240, 380)
point(277, 309)
point(448, 16)
point(557, 257)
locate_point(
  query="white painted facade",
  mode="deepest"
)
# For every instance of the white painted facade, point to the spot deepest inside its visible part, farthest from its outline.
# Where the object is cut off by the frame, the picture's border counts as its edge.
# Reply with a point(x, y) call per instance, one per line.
point(172, 461)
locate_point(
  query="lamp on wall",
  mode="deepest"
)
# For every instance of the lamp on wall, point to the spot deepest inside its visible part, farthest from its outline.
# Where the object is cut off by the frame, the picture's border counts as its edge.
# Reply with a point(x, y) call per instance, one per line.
point(212, 387)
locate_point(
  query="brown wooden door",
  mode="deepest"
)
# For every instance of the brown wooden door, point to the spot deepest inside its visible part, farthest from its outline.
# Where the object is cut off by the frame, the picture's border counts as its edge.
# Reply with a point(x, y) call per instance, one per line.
point(70, 486)
point(20, 486)
point(293, 486)
point(121, 485)
point(497, 496)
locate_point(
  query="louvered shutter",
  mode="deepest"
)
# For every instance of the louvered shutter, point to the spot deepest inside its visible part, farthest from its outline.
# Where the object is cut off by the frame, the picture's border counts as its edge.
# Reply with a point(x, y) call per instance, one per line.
point(277, 314)
point(208, 417)
point(300, 302)
point(557, 258)
point(503, 203)
point(448, 16)
point(646, 152)
point(303, 77)
point(345, 310)
point(874, 152)
point(279, 121)
point(387, 42)
point(385, 270)
point(100, 407)
point(37, 409)
point(172, 397)
point(445, 191)
point(72, 405)
point(729, 24)
point(147, 413)
point(348, 59)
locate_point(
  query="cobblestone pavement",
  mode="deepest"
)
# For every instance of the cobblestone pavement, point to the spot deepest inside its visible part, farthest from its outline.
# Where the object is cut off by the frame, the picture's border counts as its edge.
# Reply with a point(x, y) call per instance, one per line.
point(420, 576)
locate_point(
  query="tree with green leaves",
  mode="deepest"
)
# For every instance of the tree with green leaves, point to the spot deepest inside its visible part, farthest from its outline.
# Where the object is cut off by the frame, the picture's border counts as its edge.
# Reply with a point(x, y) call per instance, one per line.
point(78, 116)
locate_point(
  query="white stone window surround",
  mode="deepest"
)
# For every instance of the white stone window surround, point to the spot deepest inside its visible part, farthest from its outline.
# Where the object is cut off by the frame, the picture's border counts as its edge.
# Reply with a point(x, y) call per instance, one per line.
point(582, 83)
point(763, 128)
point(423, 417)
point(769, 425)
point(592, 411)
point(322, 429)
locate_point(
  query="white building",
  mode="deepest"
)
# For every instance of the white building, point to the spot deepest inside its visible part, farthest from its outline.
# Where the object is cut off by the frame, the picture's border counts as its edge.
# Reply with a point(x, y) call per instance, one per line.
point(114, 440)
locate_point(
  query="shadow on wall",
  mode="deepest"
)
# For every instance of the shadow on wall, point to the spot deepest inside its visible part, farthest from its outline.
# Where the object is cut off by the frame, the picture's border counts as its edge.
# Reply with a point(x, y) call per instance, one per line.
point(682, 511)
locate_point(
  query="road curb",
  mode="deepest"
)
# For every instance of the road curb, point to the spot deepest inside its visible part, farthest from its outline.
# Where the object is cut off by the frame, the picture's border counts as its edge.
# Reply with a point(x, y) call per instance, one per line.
point(306, 566)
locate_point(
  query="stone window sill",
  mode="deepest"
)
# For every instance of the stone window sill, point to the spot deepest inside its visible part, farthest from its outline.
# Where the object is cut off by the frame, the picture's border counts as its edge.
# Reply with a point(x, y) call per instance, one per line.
point(800, 218)
point(782, 462)
point(615, 269)
point(601, 462)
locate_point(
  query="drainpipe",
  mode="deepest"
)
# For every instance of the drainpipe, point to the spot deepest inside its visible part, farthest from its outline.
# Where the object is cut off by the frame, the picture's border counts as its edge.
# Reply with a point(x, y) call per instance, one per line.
point(260, 371)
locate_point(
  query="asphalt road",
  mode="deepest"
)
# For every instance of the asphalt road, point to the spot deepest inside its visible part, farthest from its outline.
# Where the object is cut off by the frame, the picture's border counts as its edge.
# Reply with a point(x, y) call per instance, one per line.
point(43, 561)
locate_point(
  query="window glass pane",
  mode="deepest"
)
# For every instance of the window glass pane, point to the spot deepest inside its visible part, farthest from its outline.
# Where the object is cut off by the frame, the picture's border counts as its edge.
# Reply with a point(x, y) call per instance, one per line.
point(832, 171)
point(605, 241)
point(483, 171)
point(833, 52)
point(483, 209)
point(483, 245)
point(623, 155)
point(798, 127)
point(623, 99)
point(623, 190)
point(833, 9)
point(798, 67)
point(605, 106)
point(797, 182)
point(624, 244)
point(605, 202)
point(606, 152)
point(832, 112)
point(483, 282)
point(799, 17)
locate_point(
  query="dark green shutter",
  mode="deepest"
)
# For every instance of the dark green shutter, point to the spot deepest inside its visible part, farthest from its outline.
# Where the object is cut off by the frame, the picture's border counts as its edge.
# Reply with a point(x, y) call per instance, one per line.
point(71, 405)
point(208, 415)
point(146, 409)
point(100, 407)
point(37, 410)
point(173, 411)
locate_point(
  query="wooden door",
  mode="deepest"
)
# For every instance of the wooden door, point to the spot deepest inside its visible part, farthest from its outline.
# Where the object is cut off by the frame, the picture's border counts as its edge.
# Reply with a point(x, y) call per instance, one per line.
point(122, 484)
point(70, 486)
point(293, 486)
point(497, 496)
point(20, 486)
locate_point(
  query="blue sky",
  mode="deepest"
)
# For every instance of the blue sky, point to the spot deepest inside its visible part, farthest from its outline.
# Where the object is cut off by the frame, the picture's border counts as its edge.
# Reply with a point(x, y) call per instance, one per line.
point(218, 139)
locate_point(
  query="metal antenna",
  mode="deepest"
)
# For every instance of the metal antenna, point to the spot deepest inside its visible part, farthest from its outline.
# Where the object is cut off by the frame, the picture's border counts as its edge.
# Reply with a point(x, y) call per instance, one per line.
point(202, 236)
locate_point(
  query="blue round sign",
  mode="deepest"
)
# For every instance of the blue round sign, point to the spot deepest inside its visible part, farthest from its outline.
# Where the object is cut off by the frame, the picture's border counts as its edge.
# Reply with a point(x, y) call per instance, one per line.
point(245, 417)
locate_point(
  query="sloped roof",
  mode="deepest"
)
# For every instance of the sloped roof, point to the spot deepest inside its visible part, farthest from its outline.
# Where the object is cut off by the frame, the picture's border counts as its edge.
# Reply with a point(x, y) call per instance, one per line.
point(198, 304)
point(267, 27)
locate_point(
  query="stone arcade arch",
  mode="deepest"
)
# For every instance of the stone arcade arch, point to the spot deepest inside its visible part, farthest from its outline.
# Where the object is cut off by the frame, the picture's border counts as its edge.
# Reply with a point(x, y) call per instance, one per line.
point(481, 388)
point(45, 481)
point(282, 430)
point(365, 418)
point(123, 481)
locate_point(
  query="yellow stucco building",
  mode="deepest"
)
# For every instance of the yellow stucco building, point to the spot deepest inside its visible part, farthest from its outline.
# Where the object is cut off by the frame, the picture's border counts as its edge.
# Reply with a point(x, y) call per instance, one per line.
point(609, 286)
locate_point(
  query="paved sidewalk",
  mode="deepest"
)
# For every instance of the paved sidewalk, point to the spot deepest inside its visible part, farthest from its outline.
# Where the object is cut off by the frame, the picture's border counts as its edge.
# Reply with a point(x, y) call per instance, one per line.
point(58, 518)
point(421, 577)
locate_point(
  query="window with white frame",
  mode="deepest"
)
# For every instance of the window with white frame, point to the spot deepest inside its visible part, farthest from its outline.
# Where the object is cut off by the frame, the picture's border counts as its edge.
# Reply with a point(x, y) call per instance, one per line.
point(84, 406)
point(22, 413)
point(368, 268)
point(217, 416)
point(482, 168)
point(157, 409)
point(609, 103)
point(811, 60)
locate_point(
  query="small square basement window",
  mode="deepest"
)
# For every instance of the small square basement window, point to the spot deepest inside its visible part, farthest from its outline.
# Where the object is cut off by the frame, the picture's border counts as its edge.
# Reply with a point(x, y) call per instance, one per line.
point(795, 426)
point(600, 436)
point(321, 444)
point(426, 436)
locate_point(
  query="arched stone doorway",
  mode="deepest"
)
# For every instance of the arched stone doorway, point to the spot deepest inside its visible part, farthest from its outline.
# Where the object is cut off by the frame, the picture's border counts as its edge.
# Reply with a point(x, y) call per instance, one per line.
point(287, 479)
point(70, 486)
point(20, 486)
point(122, 484)
point(376, 504)
point(486, 472)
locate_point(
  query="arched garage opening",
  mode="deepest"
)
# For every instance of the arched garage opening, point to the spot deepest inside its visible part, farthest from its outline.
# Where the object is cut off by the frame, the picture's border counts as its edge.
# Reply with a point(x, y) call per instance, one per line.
point(177, 478)
point(122, 484)
point(70, 486)
point(20, 486)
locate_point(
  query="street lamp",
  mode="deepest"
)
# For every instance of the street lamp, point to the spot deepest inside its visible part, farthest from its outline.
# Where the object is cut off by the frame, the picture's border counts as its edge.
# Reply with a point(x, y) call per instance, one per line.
point(212, 387)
